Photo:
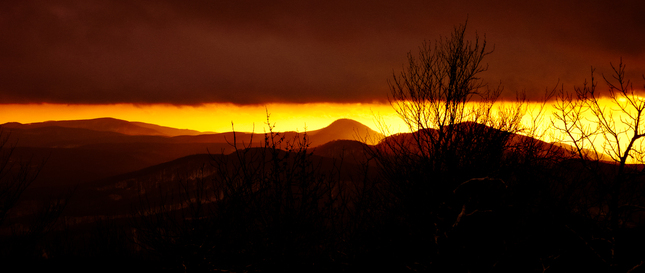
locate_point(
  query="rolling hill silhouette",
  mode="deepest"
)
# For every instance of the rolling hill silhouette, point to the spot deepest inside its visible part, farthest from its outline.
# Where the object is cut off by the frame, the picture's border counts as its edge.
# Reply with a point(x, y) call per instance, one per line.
point(116, 174)
point(115, 189)
point(475, 130)
point(83, 156)
point(108, 125)
point(77, 133)
point(345, 129)
point(117, 194)
point(342, 149)
point(82, 151)
point(79, 152)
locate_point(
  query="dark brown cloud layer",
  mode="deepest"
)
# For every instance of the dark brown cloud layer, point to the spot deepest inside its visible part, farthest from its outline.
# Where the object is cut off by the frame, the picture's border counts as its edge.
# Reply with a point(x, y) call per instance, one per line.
point(190, 52)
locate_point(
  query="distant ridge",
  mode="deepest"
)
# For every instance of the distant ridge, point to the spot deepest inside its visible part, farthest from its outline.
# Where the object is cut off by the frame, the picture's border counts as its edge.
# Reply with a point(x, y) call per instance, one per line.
point(345, 129)
point(342, 149)
point(108, 125)
point(170, 131)
point(77, 133)
point(515, 139)
point(81, 151)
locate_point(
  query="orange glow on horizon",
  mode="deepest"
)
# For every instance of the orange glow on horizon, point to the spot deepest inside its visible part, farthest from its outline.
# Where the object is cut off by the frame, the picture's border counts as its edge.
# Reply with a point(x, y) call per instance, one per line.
point(217, 117)
point(214, 117)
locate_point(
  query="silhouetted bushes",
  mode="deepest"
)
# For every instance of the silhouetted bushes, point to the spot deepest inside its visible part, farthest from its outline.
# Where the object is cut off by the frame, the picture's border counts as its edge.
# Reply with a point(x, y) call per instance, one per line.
point(268, 207)
point(505, 204)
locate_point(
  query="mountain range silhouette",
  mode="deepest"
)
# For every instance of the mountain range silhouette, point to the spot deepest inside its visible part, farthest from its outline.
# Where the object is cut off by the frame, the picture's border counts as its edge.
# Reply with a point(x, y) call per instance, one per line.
point(80, 151)
point(113, 167)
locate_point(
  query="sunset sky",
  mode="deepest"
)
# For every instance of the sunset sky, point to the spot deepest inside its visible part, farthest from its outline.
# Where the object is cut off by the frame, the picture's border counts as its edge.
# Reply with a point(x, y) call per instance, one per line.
point(202, 64)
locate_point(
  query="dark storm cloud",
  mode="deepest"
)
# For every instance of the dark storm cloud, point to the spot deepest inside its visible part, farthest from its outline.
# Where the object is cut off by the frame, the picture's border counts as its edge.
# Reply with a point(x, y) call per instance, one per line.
point(189, 52)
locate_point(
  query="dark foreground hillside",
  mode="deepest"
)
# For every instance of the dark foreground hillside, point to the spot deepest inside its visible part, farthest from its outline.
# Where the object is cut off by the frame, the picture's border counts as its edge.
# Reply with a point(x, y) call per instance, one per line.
point(488, 201)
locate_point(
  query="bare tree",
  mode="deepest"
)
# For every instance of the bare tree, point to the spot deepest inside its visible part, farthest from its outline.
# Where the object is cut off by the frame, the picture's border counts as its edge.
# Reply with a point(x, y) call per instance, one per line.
point(449, 172)
point(27, 237)
point(433, 90)
point(606, 134)
point(441, 97)
point(15, 177)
